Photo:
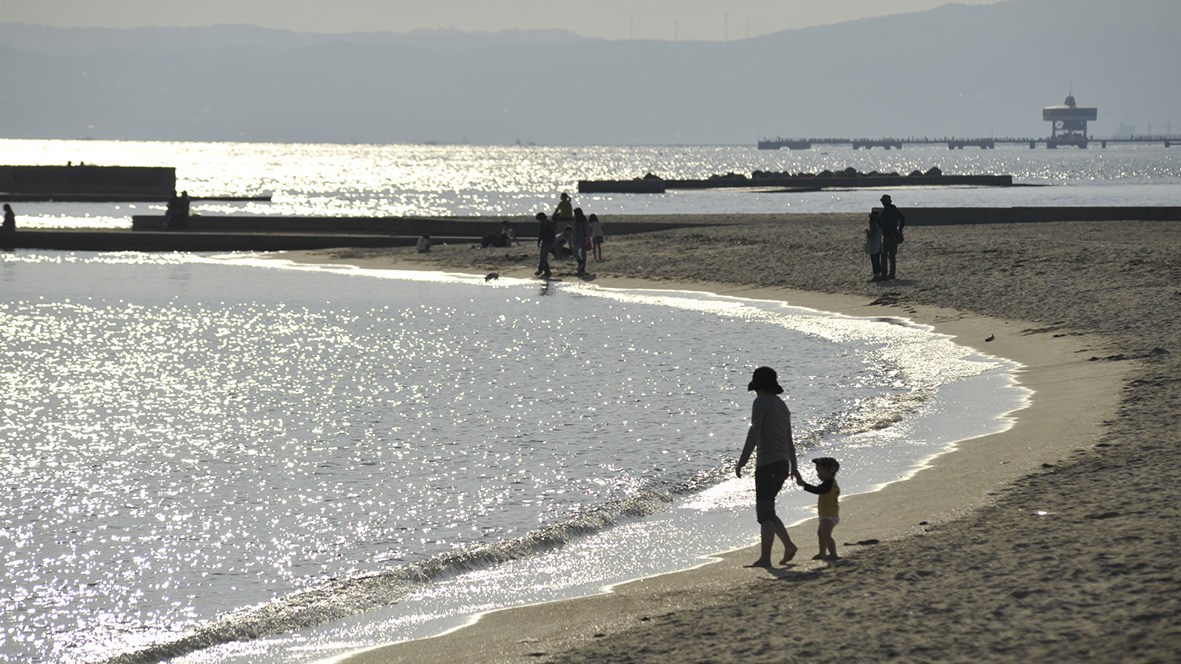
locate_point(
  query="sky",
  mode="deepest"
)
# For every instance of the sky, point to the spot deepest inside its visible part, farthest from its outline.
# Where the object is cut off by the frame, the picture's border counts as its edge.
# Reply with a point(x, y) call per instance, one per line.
point(709, 20)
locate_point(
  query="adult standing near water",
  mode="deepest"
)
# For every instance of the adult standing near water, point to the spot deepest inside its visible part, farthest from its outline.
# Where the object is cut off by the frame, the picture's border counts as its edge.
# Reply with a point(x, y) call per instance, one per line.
point(182, 218)
point(546, 235)
point(775, 461)
point(892, 224)
point(581, 238)
point(9, 219)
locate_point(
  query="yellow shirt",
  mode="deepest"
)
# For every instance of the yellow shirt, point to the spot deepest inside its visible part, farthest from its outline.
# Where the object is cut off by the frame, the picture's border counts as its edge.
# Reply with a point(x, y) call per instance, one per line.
point(830, 493)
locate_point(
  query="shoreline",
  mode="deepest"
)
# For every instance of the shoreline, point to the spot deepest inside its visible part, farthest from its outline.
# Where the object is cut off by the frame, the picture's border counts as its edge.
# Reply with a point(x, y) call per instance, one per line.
point(958, 480)
point(1075, 399)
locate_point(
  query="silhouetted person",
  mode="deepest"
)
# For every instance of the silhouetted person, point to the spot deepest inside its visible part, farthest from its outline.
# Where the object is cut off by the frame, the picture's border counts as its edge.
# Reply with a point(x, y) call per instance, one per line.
point(598, 235)
point(873, 243)
point(502, 239)
point(9, 219)
point(562, 246)
point(546, 235)
point(581, 239)
point(182, 219)
point(170, 210)
point(769, 439)
point(565, 209)
point(892, 224)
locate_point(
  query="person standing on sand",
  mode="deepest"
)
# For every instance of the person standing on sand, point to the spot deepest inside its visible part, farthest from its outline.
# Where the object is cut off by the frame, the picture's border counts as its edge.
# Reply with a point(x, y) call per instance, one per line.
point(597, 236)
point(546, 234)
point(892, 224)
point(770, 435)
point(9, 219)
point(873, 244)
point(827, 504)
point(581, 239)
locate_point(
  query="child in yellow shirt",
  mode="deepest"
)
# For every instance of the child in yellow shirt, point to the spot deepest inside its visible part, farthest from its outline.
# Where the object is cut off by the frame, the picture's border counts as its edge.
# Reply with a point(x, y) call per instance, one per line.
point(827, 504)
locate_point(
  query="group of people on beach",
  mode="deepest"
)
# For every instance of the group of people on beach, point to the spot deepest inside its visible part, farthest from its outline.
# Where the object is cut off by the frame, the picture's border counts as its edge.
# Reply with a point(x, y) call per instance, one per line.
point(883, 237)
point(581, 234)
point(769, 439)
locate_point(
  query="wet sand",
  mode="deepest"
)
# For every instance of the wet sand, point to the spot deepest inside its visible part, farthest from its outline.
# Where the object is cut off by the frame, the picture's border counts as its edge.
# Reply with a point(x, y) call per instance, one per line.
point(1055, 539)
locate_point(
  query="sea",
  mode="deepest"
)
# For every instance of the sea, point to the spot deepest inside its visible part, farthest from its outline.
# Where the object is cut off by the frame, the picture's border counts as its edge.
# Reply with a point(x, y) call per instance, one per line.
point(216, 458)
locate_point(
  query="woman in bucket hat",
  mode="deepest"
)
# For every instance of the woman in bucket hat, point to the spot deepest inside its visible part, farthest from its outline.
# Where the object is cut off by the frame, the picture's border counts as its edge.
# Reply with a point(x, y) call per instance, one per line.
point(775, 461)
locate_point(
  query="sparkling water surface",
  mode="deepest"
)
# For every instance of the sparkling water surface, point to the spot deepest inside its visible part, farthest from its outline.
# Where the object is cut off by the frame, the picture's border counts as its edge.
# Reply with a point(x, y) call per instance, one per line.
point(201, 448)
point(416, 180)
point(198, 450)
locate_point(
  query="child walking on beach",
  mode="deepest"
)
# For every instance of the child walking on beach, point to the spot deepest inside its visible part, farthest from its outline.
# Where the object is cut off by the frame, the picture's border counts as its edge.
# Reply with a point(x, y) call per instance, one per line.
point(597, 236)
point(827, 504)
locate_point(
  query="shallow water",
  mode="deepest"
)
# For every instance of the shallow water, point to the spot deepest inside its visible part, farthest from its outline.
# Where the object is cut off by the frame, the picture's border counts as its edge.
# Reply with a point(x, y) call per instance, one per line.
point(201, 448)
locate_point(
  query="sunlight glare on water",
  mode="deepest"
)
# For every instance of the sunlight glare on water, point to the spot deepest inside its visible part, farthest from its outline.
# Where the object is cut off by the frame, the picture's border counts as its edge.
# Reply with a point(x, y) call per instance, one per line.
point(188, 437)
point(328, 180)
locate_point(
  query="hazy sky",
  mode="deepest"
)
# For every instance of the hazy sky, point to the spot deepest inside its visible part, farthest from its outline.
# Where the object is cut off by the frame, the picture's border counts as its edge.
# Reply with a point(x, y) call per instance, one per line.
point(613, 19)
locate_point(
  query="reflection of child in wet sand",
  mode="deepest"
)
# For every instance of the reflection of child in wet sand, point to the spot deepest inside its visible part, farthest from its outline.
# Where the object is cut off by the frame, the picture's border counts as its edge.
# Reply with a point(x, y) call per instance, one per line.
point(827, 504)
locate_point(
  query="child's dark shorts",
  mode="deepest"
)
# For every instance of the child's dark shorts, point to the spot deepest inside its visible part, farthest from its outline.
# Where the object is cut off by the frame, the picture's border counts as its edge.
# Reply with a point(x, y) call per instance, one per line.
point(769, 480)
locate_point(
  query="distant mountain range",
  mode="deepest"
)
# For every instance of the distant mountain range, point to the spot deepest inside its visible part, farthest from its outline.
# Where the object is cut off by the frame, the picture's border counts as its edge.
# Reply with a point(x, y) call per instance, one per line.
point(953, 71)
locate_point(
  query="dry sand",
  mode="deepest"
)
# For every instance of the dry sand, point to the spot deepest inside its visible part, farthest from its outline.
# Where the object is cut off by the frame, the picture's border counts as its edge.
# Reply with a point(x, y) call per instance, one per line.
point(1056, 539)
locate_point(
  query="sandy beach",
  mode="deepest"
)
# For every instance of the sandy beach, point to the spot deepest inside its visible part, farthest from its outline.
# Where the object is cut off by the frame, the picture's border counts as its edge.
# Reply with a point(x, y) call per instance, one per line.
point(1055, 539)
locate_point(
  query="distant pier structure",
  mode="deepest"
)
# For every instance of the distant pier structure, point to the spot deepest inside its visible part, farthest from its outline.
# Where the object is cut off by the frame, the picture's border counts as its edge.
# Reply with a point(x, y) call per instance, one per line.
point(1069, 123)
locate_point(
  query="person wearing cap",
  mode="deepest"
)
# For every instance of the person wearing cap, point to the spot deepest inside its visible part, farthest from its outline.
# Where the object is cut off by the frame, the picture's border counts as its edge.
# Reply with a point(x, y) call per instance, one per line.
point(769, 438)
point(827, 504)
point(892, 224)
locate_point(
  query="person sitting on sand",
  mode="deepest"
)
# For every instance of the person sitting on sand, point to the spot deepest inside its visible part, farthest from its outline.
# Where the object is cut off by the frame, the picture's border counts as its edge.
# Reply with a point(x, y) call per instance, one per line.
point(565, 209)
point(424, 244)
point(502, 239)
point(827, 504)
point(563, 246)
point(770, 435)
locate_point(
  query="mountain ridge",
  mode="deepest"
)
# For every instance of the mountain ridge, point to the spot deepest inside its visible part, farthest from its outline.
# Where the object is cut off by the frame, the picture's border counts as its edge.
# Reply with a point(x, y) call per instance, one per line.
point(957, 70)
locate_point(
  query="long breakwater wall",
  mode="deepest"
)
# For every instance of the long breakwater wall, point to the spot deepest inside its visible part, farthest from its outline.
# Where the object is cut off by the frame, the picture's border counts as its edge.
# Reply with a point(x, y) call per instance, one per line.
point(275, 234)
point(148, 183)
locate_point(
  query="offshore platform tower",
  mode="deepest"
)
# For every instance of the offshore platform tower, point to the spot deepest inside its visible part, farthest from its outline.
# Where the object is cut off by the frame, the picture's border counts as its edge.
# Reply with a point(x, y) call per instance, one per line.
point(1069, 123)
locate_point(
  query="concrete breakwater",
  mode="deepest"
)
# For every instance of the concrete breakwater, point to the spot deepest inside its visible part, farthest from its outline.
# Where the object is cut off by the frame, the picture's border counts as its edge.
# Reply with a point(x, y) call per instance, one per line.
point(222, 234)
point(847, 179)
point(467, 228)
point(87, 182)
point(1020, 215)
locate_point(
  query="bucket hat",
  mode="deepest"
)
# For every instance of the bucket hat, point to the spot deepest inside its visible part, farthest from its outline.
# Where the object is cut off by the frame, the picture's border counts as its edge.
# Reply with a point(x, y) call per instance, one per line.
point(765, 379)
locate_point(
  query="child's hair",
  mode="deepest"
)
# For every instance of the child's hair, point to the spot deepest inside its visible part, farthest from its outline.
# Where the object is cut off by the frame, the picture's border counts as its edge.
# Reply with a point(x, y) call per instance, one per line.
point(828, 463)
